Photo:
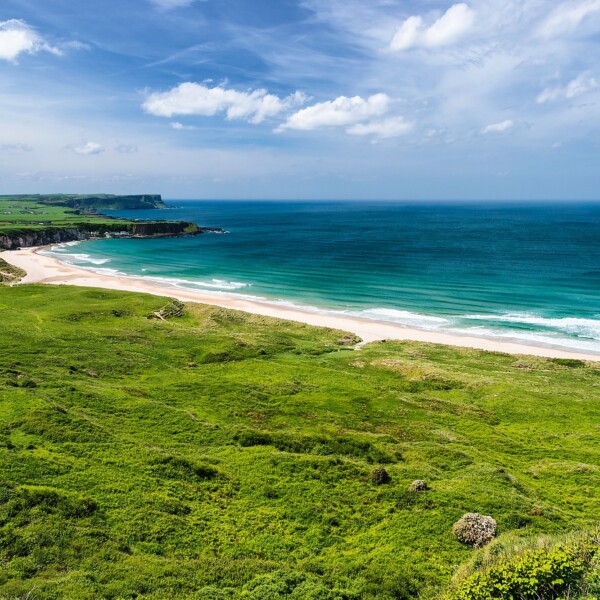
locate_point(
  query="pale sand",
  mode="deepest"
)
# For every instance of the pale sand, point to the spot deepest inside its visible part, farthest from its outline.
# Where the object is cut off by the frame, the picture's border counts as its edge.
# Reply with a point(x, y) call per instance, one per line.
point(48, 270)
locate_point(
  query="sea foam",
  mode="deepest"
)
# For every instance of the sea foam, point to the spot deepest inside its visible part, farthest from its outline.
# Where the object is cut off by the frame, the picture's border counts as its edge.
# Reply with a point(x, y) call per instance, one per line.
point(585, 328)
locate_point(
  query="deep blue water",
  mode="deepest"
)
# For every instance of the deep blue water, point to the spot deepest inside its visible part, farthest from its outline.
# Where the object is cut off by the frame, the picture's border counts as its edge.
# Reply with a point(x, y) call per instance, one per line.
point(526, 272)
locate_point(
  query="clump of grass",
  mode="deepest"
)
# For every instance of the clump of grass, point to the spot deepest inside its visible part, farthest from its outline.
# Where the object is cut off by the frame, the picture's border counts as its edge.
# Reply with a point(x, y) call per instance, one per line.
point(175, 309)
point(10, 274)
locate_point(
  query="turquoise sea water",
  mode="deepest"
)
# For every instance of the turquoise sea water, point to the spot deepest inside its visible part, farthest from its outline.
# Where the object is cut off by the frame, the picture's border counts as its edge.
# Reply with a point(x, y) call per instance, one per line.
point(528, 273)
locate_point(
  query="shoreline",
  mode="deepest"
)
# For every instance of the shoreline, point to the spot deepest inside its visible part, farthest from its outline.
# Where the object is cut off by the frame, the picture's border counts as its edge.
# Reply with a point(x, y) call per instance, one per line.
point(49, 270)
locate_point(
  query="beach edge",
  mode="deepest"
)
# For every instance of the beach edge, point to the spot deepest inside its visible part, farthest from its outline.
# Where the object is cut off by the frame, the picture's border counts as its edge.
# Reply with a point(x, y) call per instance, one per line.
point(43, 269)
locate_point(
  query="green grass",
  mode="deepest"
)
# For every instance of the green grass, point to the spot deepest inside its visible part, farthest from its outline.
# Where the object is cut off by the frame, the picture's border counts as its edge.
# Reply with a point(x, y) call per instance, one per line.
point(223, 455)
point(19, 215)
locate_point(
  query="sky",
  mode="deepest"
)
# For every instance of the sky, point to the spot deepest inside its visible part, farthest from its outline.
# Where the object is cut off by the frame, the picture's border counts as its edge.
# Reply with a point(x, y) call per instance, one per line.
point(302, 99)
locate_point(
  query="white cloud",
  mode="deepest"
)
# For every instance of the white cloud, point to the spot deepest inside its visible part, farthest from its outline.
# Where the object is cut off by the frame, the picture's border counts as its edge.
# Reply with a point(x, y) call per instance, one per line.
point(383, 129)
point(182, 127)
point(16, 37)
point(196, 99)
point(498, 127)
point(449, 28)
point(88, 149)
point(574, 88)
point(340, 112)
point(568, 16)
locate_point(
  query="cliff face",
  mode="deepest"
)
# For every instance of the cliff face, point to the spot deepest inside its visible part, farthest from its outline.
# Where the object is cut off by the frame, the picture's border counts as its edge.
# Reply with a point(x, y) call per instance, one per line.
point(41, 238)
point(145, 229)
point(85, 231)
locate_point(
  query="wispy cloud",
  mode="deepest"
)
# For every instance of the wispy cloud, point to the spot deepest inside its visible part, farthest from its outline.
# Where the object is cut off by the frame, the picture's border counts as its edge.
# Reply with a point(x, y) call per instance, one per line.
point(89, 149)
point(17, 37)
point(498, 127)
point(196, 99)
point(126, 148)
point(577, 87)
point(181, 127)
point(383, 129)
point(171, 4)
point(568, 16)
point(15, 147)
point(446, 30)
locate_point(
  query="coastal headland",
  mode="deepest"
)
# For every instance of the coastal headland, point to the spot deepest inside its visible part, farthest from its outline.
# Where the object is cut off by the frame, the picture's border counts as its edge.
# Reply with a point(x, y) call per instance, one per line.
point(41, 268)
point(37, 220)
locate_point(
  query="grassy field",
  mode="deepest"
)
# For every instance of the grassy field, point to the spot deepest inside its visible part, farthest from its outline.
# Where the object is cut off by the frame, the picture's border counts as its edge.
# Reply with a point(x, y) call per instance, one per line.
point(20, 214)
point(219, 455)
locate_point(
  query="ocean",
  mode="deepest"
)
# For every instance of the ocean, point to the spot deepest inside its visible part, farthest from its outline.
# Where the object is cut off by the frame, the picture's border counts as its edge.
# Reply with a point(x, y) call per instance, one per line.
point(521, 272)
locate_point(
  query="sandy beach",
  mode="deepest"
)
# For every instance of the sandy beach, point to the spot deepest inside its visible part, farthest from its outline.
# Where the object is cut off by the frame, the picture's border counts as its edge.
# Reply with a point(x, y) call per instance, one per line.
point(48, 270)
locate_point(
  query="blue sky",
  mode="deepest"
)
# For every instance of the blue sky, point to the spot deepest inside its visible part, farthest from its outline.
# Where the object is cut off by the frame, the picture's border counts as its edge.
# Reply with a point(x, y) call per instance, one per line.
point(382, 99)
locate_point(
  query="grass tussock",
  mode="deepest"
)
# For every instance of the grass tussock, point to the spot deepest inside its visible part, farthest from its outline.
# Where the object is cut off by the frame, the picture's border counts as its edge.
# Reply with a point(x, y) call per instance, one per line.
point(10, 274)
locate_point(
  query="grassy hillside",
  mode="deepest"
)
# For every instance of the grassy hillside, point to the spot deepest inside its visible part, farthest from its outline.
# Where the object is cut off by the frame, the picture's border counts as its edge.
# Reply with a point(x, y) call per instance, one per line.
point(220, 455)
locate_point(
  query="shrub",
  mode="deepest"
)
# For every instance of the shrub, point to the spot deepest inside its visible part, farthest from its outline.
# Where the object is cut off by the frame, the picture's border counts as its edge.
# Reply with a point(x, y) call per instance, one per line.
point(532, 575)
point(475, 529)
point(418, 486)
point(176, 467)
point(571, 363)
point(379, 475)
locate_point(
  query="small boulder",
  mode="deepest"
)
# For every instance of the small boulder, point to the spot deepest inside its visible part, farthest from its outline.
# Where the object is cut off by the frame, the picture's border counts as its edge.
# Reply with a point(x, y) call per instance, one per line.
point(418, 486)
point(379, 475)
point(475, 529)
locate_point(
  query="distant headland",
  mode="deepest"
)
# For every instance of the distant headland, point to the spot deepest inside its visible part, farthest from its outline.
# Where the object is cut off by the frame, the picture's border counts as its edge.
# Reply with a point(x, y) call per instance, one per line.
point(41, 219)
point(94, 201)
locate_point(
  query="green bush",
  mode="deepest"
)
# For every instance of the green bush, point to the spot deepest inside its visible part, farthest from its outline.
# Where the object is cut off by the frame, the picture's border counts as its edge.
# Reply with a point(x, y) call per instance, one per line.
point(532, 575)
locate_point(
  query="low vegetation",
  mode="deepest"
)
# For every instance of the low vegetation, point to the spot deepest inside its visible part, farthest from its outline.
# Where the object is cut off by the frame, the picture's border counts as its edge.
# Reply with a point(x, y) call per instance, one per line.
point(210, 454)
point(10, 274)
point(530, 569)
